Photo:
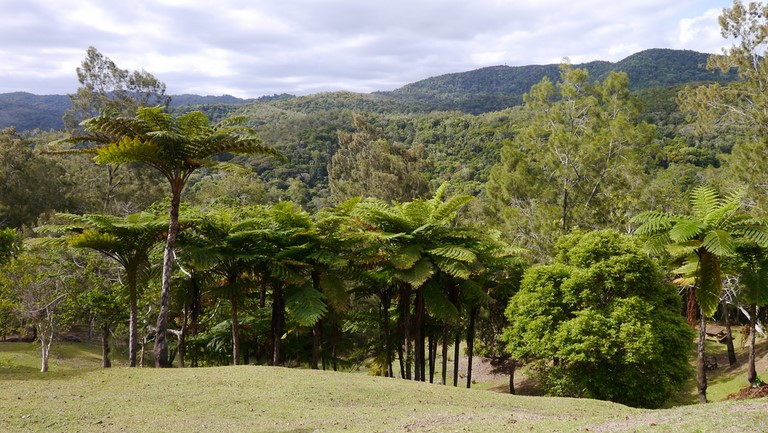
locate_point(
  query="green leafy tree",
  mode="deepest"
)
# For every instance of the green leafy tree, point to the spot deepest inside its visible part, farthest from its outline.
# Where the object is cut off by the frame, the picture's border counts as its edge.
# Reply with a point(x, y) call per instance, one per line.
point(600, 322)
point(739, 108)
point(701, 240)
point(30, 184)
point(41, 281)
point(128, 241)
point(754, 282)
point(106, 87)
point(575, 156)
point(366, 164)
point(176, 147)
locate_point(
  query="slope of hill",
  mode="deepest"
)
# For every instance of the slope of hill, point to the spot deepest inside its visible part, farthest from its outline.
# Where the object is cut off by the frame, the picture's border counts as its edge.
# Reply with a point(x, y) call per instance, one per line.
point(26, 111)
point(497, 87)
point(78, 396)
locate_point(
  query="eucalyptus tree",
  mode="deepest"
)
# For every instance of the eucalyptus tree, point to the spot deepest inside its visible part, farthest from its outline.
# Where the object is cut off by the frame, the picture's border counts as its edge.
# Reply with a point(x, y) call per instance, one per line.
point(176, 147)
point(741, 106)
point(574, 156)
point(105, 86)
point(700, 241)
point(127, 240)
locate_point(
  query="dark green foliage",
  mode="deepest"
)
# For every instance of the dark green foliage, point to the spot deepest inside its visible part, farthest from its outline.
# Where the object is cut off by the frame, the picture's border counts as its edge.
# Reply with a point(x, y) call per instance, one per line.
point(600, 322)
point(30, 184)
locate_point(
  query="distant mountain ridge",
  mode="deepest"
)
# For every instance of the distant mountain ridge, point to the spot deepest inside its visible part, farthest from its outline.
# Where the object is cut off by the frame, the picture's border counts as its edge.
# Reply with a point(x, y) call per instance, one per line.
point(487, 89)
point(502, 86)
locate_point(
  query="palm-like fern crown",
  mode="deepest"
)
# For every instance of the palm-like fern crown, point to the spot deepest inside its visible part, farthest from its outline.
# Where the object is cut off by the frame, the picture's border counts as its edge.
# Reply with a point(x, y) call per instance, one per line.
point(418, 238)
point(128, 239)
point(176, 146)
point(700, 240)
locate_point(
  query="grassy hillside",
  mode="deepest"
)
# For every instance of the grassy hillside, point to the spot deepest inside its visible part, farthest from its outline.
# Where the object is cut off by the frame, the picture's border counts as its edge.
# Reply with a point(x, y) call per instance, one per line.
point(78, 396)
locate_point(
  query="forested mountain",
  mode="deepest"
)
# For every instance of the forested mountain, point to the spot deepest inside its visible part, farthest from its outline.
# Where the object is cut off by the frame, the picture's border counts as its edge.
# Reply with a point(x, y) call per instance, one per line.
point(497, 87)
point(480, 91)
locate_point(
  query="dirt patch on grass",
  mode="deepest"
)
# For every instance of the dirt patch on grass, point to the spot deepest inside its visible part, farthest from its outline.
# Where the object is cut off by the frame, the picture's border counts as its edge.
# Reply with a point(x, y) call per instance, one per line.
point(750, 392)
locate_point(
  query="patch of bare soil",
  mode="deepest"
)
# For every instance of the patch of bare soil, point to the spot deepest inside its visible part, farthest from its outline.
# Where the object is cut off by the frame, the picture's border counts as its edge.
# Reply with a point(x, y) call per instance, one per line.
point(750, 392)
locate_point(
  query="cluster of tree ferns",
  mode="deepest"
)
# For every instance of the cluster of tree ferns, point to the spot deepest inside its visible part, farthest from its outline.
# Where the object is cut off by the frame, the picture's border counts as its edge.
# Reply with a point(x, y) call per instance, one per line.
point(558, 234)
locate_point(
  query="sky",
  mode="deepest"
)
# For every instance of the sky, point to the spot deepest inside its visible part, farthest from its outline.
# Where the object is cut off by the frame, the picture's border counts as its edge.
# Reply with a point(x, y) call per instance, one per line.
point(251, 48)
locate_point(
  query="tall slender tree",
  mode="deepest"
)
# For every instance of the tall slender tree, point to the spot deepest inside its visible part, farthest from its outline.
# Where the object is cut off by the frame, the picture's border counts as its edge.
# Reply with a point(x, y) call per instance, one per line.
point(176, 147)
point(700, 241)
point(127, 240)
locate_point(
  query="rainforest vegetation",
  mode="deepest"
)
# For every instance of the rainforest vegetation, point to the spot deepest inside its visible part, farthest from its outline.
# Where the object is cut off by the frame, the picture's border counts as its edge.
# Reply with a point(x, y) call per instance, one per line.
point(585, 222)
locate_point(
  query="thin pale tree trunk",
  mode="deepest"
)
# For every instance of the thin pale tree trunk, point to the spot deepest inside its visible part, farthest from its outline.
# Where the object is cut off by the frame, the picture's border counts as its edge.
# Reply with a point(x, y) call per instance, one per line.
point(161, 339)
point(133, 327)
point(235, 331)
point(728, 334)
point(751, 371)
point(701, 371)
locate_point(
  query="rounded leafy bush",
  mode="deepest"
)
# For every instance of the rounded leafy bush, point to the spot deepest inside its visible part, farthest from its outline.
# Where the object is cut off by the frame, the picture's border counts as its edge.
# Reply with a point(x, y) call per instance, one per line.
point(600, 322)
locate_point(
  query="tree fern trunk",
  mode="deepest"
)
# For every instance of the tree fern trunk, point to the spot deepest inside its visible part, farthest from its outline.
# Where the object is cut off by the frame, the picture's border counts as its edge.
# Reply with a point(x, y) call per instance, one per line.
point(456, 343)
point(405, 316)
point(418, 325)
point(316, 345)
point(277, 325)
point(385, 304)
point(512, 367)
point(470, 344)
point(445, 355)
point(105, 362)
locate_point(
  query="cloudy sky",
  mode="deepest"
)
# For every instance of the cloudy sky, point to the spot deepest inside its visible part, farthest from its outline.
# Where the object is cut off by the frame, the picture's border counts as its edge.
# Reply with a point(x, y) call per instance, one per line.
point(250, 48)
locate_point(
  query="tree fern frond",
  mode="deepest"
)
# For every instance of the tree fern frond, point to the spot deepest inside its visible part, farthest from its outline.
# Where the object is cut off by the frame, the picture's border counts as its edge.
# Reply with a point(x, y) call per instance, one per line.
point(305, 305)
point(704, 200)
point(406, 257)
point(439, 306)
point(657, 244)
point(416, 275)
point(686, 229)
point(719, 242)
point(709, 283)
point(446, 211)
point(453, 268)
point(683, 249)
point(455, 252)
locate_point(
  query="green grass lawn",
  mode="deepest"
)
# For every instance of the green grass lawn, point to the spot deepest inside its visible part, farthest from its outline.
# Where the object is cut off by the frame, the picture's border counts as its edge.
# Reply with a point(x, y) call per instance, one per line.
point(76, 395)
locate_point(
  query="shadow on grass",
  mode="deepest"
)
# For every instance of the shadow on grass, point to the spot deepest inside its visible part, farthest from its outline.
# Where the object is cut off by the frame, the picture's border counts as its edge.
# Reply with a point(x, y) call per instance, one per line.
point(21, 361)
